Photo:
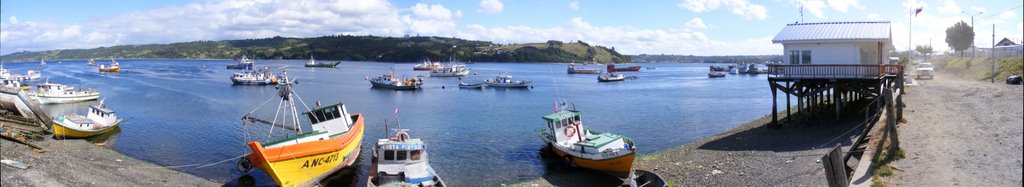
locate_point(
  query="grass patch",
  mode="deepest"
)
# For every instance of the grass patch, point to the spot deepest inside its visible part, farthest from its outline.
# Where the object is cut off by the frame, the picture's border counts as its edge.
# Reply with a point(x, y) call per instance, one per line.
point(877, 184)
point(885, 171)
point(671, 184)
point(981, 68)
point(648, 157)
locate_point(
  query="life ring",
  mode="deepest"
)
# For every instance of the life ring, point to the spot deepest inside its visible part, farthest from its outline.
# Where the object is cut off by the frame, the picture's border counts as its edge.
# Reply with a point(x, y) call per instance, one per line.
point(567, 133)
point(244, 165)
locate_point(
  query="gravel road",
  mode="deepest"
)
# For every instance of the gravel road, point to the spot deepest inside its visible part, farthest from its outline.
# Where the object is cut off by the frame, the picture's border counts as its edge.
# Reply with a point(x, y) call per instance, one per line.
point(961, 132)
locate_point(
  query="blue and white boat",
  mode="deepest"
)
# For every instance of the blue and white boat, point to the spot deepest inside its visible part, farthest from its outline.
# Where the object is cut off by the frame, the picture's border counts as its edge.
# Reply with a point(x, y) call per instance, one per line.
point(244, 63)
point(402, 161)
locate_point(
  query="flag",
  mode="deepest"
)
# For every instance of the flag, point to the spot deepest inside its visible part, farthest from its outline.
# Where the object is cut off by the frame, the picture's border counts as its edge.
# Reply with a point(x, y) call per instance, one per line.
point(556, 106)
point(918, 11)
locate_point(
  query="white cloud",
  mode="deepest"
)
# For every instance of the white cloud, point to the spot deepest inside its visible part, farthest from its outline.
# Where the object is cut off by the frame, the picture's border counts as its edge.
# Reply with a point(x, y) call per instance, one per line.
point(815, 7)
point(949, 7)
point(1008, 14)
point(232, 19)
point(574, 5)
point(844, 5)
point(491, 6)
point(696, 23)
point(626, 40)
point(739, 7)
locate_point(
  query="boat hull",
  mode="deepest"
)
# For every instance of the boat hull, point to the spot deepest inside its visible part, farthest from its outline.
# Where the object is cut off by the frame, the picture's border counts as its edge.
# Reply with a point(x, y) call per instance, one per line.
point(117, 69)
point(394, 87)
point(239, 66)
point(323, 65)
point(616, 165)
point(453, 74)
point(305, 164)
point(55, 100)
point(60, 131)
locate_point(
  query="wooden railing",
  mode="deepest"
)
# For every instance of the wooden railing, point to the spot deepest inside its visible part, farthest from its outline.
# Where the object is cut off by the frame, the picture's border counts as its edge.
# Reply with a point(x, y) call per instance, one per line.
point(830, 71)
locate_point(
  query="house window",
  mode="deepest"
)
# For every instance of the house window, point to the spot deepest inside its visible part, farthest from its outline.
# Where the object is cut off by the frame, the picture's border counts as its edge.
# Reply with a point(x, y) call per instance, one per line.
point(805, 57)
point(794, 57)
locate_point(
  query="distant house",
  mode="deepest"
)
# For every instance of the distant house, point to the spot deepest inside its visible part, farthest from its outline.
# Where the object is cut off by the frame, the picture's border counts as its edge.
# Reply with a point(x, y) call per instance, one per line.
point(866, 43)
point(1007, 48)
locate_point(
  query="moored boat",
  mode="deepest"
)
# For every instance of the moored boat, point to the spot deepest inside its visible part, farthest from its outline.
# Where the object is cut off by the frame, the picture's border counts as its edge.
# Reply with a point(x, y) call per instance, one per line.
point(611, 77)
point(612, 68)
point(574, 70)
point(99, 120)
point(471, 85)
point(50, 93)
point(570, 140)
point(506, 81)
point(243, 63)
point(92, 62)
point(390, 81)
point(313, 64)
point(304, 157)
point(254, 77)
point(427, 65)
point(113, 67)
point(452, 70)
point(716, 74)
point(5, 74)
point(401, 160)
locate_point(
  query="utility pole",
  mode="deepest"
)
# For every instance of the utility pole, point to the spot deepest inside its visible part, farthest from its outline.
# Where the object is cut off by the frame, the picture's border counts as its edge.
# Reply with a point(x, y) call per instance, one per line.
point(992, 54)
point(973, 48)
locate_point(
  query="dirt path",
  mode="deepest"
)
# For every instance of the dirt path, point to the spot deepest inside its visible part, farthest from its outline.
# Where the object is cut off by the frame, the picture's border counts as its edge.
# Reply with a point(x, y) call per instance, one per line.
point(961, 132)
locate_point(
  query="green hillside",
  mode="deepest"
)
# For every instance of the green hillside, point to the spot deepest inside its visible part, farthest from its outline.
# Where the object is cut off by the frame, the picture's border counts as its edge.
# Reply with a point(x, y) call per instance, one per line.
point(356, 48)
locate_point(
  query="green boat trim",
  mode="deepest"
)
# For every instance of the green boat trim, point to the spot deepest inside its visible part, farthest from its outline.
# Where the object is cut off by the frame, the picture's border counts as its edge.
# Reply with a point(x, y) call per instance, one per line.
point(289, 137)
point(562, 114)
point(595, 139)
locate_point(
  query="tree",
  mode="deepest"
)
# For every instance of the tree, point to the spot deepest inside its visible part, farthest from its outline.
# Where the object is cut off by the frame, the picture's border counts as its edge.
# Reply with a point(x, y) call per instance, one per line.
point(924, 50)
point(959, 36)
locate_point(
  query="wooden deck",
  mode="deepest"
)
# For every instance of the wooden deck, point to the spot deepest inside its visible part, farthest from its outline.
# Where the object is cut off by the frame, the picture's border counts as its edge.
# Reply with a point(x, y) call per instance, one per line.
point(832, 71)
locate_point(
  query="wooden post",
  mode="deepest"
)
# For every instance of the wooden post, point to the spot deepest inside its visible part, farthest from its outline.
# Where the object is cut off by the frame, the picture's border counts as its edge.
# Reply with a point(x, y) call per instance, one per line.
point(775, 107)
point(788, 106)
point(835, 99)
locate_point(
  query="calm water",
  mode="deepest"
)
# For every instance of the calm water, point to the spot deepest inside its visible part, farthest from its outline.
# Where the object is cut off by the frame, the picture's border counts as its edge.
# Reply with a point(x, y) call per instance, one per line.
point(187, 112)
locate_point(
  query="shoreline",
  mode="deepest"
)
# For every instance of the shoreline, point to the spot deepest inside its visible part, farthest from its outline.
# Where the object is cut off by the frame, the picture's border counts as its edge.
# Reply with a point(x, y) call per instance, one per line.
point(77, 162)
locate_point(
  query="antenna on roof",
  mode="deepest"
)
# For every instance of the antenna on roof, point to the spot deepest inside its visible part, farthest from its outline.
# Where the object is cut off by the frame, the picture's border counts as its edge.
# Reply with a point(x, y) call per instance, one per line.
point(801, 12)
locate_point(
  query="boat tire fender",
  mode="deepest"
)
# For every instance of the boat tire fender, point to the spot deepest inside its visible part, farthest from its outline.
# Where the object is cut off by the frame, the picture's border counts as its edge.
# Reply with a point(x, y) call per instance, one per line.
point(246, 180)
point(244, 165)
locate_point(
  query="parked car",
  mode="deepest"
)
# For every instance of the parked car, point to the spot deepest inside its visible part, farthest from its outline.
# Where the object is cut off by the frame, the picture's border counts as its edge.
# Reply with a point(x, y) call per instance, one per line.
point(925, 70)
point(1013, 79)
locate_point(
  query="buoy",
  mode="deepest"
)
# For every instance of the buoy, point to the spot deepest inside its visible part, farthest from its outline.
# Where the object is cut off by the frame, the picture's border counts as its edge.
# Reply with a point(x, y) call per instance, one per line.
point(442, 87)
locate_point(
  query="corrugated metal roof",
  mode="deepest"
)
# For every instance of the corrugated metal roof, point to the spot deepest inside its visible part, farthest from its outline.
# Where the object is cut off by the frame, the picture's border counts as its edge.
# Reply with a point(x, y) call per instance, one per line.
point(871, 30)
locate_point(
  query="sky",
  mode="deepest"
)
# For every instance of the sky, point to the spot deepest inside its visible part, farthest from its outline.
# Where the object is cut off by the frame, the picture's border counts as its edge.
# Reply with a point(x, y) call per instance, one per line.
point(683, 27)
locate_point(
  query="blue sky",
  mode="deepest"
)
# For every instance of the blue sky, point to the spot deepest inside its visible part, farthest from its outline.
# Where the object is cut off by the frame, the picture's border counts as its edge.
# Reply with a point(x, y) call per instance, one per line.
point(698, 27)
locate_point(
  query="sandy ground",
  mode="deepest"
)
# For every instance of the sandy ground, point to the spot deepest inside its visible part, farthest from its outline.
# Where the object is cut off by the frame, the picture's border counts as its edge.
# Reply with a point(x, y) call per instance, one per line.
point(748, 155)
point(80, 163)
point(961, 132)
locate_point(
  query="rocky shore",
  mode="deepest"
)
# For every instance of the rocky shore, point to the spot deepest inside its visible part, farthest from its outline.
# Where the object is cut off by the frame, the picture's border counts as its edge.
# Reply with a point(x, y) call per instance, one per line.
point(81, 163)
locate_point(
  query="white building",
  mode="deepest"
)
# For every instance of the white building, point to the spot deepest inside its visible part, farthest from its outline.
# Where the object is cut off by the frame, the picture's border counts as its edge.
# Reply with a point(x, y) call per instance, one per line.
point(865, 43)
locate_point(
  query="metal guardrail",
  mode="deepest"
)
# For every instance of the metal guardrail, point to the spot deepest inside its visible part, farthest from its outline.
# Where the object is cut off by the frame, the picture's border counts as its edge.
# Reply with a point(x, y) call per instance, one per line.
point(831, 71)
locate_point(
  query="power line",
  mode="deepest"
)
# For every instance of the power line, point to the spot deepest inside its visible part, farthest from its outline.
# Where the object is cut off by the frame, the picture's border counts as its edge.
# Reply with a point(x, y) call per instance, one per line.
point(996, 14)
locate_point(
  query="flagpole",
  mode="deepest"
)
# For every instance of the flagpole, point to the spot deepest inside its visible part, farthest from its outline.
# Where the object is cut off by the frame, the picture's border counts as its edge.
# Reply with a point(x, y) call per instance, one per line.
point(910, 37)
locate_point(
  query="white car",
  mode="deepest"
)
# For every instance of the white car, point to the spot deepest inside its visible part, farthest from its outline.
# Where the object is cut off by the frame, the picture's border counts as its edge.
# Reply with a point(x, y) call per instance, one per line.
point(925, 70)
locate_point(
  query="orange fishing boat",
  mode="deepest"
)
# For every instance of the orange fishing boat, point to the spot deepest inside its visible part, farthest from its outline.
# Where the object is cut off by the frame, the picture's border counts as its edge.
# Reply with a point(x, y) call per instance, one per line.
point(579, 146)
point(305, 158)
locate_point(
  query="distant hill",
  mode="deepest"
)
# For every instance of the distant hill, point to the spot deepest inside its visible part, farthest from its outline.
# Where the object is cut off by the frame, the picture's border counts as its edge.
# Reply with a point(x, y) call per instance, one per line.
point(342, 47)
point(645, 58)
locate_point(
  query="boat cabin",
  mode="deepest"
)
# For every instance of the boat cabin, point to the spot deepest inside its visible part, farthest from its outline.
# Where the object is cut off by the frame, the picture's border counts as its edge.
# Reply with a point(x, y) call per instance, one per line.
point(564, 126)
point(403, 156)
point(100, 114)
point(331, 118)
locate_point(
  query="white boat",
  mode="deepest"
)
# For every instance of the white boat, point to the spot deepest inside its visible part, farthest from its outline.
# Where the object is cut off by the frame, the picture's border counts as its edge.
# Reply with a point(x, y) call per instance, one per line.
point(5, 74)
point(243, 63)
point(506, 81)
point(402, 161)
point(42, 61)
point(451, 70)
point(254, 77)
point(99, 120)
point(611, 77)
point(390, 81)
point(51, 93)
